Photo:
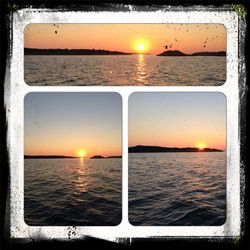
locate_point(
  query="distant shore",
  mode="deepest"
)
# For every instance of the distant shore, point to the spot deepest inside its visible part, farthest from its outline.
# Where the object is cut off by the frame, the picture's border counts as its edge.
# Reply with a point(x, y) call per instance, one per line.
point(34, 51)
point(105, 157)
point(179, 53)
point(157, 149)
point(47, 156)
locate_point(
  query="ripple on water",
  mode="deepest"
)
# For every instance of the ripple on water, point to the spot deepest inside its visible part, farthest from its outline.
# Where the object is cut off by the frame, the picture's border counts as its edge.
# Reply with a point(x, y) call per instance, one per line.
point(177, 189)
point(65, 192)
point(124, 70)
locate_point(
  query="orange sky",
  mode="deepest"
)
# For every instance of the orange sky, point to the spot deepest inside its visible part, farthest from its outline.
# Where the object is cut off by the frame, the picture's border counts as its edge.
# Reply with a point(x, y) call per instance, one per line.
point(188, 38)
point(177, 119)
point(64, 123)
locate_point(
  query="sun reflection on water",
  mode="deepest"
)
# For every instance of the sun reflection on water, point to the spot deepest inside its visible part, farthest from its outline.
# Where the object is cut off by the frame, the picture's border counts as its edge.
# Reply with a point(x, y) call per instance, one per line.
point(141, 74)
point(81, 161)
point(82, 180)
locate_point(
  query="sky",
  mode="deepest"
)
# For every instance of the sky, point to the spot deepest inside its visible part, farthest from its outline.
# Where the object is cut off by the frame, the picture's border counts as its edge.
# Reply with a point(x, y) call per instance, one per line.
point(66, 123)
point(132, 38)
point(178, 119)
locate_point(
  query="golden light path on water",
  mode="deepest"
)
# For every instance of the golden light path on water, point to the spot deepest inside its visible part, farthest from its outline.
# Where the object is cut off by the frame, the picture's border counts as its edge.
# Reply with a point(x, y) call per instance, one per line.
point(141, 71)
point(82, 182)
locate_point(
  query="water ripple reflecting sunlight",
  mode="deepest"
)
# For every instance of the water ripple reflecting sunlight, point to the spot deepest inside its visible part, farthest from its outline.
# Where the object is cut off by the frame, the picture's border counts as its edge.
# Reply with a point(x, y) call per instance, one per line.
point(124, 70)
point(62, 192)
point(141, 74)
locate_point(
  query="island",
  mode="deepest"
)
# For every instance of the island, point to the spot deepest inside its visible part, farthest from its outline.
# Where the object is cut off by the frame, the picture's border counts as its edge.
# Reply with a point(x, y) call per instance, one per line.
point(47, 52)
point(107, 157)
point(179, 53)
point(158, 149)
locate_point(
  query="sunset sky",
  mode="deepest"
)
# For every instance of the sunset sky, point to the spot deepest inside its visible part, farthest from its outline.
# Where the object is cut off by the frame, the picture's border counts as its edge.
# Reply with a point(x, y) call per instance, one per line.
point(178, 119)
point(138, 38)
point(66, 123)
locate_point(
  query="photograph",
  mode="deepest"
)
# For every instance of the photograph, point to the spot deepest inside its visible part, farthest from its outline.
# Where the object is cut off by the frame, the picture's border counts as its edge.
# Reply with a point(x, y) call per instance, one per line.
point(177, 159)
point(72, 159)
point(157, 54)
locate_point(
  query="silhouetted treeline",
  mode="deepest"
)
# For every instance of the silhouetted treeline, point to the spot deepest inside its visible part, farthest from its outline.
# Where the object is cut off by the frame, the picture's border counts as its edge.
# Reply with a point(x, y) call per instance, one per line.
point(46, 156)
point(32, 51)
point(157, 149)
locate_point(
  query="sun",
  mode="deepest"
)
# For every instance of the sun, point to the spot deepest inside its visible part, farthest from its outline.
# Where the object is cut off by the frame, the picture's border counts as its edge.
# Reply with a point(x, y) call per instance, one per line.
point(81, 153)
point(141, 45)
point(200, 146)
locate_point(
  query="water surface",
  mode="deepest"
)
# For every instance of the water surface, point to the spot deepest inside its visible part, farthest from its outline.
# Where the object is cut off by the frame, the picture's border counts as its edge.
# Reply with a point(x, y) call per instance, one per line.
point(143, 70)
point(79, 192)
point(184, 189)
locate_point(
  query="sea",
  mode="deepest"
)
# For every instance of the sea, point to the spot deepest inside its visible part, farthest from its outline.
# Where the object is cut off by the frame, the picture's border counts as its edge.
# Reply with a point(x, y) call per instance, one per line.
point(81, 192)
point(123, 70)
point(177, 189)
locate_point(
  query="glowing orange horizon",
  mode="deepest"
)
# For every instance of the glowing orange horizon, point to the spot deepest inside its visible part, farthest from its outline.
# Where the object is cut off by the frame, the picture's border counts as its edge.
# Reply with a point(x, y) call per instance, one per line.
point(79, 153)
point(89, 150)
point(200, 147)
point(139, 38)
point(176, 140)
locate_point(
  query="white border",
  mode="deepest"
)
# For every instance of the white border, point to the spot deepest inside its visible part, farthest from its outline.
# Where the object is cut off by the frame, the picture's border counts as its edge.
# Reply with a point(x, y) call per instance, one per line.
point(16, 89)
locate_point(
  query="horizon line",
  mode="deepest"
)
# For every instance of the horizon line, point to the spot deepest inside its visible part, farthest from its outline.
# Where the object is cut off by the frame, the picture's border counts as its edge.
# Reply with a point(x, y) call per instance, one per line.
point(133, 53)
point(65, 156)
point(185, 147)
